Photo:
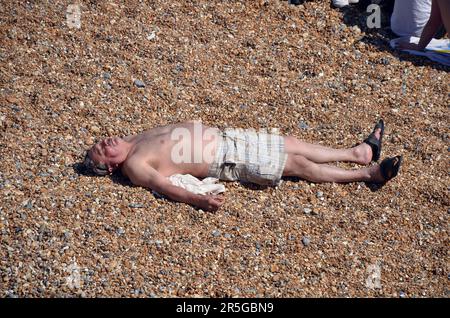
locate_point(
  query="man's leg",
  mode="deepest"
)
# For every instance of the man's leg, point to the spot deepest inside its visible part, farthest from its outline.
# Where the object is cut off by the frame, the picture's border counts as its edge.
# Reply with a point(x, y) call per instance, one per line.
point(361, 154)
point(300, 166)
point(444, 8)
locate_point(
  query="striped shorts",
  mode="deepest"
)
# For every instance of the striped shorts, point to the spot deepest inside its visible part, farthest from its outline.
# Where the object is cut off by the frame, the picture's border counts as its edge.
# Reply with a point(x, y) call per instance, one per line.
point(249, 156)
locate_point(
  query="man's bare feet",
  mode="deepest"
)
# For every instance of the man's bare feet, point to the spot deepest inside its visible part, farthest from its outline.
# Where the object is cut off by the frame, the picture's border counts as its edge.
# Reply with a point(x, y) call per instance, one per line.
point(363, 152)
point(375, 174)
point(385, 171)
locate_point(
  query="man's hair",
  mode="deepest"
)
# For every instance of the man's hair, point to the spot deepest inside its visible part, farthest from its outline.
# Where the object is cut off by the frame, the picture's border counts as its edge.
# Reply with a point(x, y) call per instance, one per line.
point(100, 169)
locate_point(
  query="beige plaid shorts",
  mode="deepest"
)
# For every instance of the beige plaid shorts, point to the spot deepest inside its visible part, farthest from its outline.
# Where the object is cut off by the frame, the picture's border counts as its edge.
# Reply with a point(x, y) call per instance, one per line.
point(249, 156)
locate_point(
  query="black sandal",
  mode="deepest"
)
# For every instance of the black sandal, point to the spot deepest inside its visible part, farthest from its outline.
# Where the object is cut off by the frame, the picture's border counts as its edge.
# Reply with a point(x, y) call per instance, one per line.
point(375, 143)
point(389, 167)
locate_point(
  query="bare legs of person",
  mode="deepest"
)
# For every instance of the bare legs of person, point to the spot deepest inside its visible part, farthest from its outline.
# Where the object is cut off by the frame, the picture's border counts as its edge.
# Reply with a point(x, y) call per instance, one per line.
point(307, 161)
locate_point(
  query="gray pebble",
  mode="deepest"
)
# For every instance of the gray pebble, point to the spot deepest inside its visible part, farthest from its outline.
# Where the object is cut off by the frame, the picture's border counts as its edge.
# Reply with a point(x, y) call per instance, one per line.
point(303, 125)
point(227, 235)
point(319, 194)
point(139, 83)
point(67, 234)
point(306, 241)
point(385, 61)
point(151, 36)
point(107, 75)
point(402, 294)
point(215, 233)
point(307, 210)
point(11, 294)
point(29, 205)
point(404, 88)
point(120, 231)
point(136, 205)
point(179, 68)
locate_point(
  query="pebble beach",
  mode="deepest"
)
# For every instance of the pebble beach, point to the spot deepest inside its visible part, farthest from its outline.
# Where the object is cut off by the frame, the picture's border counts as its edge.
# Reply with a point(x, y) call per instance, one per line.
point(311, 71)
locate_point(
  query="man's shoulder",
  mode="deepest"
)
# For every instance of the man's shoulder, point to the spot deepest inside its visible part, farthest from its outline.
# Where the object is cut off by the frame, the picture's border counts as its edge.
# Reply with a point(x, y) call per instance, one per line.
point(139, 171)
point(133, 163)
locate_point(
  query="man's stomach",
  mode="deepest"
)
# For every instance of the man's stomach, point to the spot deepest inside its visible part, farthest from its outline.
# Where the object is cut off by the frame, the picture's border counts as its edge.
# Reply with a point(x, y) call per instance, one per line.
point(190, 152)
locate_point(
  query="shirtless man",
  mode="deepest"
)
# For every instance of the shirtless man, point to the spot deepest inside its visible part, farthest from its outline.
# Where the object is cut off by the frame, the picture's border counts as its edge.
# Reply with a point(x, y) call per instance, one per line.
point(202, 151)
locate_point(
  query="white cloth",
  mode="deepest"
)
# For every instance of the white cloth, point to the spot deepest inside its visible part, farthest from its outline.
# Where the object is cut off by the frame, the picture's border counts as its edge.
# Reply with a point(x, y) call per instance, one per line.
point(410, 16)
point(436, 50)
point(192, 184)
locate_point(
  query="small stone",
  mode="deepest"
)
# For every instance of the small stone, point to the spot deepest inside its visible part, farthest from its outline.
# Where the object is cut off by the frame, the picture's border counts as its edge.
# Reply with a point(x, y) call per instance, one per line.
point(106, 75)
point(356, 29)
point(402, 294)
point(274, 268)
point(319, 194)
point(11, 294)
point(139, 83)
point(151, 36)
point(227, 235)
point(12, 99)
point(136, 205)
point(179, 68)
point(306, 241)
point(29, 205)
point(303, 125)
point(385, 61)
point(307, 210)
point(216, 233)
point(120, 231)
point(16, 108)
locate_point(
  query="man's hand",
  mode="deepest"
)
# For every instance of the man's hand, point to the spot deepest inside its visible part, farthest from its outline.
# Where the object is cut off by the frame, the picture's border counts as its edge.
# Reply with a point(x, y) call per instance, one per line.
point(211, 202)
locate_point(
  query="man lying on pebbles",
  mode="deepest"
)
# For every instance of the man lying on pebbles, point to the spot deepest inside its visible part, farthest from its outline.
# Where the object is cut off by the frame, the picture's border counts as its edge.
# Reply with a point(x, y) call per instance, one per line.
point(147, 159)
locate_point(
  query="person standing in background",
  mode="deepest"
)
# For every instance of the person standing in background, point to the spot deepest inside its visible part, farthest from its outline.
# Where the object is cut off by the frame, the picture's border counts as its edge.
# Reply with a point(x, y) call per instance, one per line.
point(439, 17)
point(410, 16)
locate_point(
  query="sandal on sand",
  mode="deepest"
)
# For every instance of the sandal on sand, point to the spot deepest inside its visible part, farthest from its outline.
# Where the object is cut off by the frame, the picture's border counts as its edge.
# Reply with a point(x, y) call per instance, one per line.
point(375, 143)
point(389, 167)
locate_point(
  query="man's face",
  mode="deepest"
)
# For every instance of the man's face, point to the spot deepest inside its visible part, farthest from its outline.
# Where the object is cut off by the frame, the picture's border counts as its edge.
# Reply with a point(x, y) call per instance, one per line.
point(108, 152)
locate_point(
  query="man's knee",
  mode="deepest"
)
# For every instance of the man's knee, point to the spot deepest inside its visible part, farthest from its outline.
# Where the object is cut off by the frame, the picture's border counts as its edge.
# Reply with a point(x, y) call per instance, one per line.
point(289, 144)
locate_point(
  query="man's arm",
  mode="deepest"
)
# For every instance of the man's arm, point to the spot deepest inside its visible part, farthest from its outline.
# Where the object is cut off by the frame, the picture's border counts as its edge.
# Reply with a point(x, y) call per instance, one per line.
point(146, 176)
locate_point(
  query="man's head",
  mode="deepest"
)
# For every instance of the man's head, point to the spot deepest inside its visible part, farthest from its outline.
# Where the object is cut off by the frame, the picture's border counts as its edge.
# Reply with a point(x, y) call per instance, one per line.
point(106, 156)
